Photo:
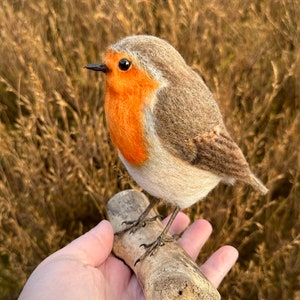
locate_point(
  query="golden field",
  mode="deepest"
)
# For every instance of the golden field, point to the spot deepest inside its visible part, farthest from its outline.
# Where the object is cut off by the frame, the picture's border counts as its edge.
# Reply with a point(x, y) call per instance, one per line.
point(58, 168)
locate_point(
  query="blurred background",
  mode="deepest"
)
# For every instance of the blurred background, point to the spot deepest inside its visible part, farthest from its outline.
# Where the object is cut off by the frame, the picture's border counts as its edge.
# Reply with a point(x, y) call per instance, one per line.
point(58, 168)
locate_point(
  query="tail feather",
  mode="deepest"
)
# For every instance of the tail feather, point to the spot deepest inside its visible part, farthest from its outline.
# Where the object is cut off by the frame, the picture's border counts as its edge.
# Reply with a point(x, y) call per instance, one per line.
point(257, 184)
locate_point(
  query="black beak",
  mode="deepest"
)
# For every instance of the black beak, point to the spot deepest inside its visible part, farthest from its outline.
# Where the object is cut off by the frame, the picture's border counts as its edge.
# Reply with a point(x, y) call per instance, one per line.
point(98, 67)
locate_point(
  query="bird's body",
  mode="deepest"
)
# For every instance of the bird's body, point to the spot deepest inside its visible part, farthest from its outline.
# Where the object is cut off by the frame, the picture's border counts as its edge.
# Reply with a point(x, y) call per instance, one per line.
point(166, 125)
point(169, 178)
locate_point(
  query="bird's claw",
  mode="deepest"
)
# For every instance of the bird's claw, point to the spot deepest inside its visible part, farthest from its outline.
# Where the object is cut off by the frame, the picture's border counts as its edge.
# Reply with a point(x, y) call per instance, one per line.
point(136, 224)
point(153, 247)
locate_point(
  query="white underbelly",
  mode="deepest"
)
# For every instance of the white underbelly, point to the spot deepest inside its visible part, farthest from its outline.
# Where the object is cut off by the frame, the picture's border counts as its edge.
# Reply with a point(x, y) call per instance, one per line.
point(171, 179)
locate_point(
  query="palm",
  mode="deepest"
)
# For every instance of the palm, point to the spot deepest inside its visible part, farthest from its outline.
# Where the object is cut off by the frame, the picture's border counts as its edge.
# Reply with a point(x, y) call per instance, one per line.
point(86, 268)
point(120, 281)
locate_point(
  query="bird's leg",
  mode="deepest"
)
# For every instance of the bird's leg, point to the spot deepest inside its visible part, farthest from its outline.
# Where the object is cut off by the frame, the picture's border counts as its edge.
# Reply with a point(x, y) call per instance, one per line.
point(161, 239)
point(142, 220)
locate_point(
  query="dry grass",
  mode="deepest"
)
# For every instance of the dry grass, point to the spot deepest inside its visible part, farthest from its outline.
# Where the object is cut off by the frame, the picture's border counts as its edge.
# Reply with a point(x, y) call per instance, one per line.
point(58, 169)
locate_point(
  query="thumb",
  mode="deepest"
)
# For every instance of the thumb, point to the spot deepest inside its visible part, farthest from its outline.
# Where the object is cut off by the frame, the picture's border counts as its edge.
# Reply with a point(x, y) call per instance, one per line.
point(93, 247)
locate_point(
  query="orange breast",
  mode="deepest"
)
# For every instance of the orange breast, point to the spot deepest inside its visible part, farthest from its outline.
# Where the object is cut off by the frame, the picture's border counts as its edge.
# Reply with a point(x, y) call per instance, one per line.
point(127, 93)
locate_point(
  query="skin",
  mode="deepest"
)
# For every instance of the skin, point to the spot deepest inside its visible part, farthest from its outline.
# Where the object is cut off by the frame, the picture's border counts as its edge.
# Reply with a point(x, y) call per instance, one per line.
point(87, 269)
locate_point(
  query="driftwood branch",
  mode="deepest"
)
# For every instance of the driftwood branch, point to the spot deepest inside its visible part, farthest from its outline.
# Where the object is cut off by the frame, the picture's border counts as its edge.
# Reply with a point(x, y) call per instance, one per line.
point(170, 273)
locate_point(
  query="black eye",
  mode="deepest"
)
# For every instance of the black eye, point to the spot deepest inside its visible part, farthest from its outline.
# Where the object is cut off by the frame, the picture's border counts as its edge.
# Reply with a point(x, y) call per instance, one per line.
point(124, 64)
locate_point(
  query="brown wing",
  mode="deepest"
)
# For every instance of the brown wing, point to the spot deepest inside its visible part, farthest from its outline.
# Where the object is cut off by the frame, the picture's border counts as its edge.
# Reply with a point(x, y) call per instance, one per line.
point(189, 122)
point(193, 130)
point(218, 153)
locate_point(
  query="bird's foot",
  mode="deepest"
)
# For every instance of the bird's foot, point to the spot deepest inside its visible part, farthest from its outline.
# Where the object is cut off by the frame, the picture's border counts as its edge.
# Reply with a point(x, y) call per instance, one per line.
point(134, 225)
point(154, 246)
point(161, 239)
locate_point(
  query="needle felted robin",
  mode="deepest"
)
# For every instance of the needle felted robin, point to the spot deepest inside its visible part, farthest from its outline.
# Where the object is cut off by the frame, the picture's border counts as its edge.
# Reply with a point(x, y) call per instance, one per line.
point(167, 127)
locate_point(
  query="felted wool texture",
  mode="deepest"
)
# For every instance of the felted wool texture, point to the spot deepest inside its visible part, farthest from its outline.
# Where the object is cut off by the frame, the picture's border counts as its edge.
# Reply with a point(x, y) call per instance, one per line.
point(187, 119)
point(168, 177)
point(123, 107)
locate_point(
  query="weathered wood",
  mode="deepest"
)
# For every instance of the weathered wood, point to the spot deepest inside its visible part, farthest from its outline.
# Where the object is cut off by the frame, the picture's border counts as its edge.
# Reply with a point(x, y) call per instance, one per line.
point(168, 274)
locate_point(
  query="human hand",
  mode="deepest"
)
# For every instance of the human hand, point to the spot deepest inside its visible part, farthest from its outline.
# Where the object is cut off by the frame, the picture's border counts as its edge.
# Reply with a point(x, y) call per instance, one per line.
point(86, 268)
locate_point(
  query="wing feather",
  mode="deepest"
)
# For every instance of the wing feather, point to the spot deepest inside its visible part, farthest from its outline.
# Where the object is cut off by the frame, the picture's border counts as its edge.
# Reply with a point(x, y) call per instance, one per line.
point(218, 153)
point(193, 130)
